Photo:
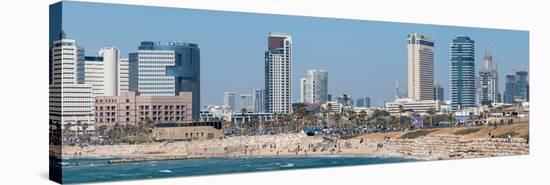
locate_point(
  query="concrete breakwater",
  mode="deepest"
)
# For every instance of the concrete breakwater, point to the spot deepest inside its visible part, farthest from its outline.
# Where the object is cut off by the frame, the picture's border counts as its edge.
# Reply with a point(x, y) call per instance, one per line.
point(441, 147)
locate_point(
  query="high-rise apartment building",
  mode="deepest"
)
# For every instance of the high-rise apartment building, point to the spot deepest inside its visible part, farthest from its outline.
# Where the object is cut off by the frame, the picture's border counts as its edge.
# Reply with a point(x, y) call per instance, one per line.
point(278, 74)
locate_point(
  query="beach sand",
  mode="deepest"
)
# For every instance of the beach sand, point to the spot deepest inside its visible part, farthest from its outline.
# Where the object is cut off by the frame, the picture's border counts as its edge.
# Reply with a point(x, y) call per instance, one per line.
point(440, 143)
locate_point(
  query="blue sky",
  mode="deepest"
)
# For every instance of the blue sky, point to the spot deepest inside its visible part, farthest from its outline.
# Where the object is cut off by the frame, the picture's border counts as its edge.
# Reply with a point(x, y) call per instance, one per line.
point(364, 58)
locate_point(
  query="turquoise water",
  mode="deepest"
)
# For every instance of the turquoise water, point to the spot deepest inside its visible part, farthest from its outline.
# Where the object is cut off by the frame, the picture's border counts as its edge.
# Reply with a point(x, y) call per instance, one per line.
point(78, 170)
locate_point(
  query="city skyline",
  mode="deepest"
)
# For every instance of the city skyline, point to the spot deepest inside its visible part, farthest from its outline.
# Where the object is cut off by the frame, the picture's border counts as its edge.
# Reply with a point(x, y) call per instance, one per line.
point(385, 49)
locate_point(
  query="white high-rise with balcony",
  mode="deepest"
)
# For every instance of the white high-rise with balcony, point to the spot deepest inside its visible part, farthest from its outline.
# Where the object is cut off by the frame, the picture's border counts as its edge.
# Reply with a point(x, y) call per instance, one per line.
point(420, 67)
point(71, 99)
point(278, 74)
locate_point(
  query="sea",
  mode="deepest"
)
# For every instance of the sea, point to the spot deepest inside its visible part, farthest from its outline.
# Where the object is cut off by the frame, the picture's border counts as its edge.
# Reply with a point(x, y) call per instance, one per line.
point(84, 170)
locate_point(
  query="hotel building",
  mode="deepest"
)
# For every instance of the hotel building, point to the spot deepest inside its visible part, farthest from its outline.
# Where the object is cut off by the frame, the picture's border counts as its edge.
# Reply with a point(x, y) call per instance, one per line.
point(420, 67)
point(130, 109)
point(166, 69)
point(278, 74)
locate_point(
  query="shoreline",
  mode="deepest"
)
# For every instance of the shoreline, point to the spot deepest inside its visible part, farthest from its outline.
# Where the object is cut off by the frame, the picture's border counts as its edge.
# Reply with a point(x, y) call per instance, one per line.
point(437, 144)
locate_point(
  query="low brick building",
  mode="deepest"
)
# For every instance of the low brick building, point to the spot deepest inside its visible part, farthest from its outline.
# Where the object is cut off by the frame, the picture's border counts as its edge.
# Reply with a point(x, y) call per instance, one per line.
point(188, 131)
point(131, 109)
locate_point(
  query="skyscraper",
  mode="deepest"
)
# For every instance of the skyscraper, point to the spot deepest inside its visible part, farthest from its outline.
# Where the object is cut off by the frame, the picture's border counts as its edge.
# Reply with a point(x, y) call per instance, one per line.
point(509, 88)
point(259, 98)
point(420, 67)
point(166, 69)
point(367, 102)
point(303, 89)
point(278, 74)
point(462, 85)
point(488, 81)
point(516, 87)
point(229, 100)
point(314, 87)
point(246, 102)
point(360, 102)
point(522, 85)
point(438, 93)
point(70, 98)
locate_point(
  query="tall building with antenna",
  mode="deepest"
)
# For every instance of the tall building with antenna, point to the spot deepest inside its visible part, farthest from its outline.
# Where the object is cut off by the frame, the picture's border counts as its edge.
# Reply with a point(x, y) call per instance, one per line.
point(488, 81)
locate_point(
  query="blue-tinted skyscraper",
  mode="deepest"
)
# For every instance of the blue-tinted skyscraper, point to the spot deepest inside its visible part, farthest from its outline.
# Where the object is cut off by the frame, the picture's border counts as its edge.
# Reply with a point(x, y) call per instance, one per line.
point(510, 88)
point(166, 69)
point(522, 85)
point(367, 102)
point(462, 86)
point(517, 87)
point(360, 102)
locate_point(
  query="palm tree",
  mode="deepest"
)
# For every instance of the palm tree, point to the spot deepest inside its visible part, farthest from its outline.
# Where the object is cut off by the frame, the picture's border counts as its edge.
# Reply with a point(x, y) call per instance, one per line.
point(243, 111)
point(84, 128)
point(401, 110)
point(300, 112)
point(362, 117)
point(101, 129)
point(431, 112)
point(78, 123)
point(352, 116)
point(67, 130)
point(346, 100)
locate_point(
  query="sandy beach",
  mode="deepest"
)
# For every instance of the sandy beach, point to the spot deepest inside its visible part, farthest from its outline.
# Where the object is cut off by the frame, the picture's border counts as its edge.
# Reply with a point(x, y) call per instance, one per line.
point(434, 144)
